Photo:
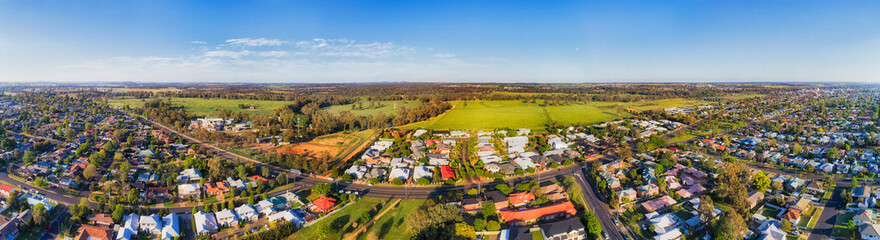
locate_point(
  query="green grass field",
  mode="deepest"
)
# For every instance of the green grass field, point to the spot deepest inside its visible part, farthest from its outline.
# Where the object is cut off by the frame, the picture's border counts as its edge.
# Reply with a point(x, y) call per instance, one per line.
point(209, 107)
point(391, 225)
point(581, 113)
point(489, 114)
point(341, 221)
point(384, 107)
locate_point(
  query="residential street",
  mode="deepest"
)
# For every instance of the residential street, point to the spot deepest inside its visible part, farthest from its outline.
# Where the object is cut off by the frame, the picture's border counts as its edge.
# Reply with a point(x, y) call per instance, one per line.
point(598, 207)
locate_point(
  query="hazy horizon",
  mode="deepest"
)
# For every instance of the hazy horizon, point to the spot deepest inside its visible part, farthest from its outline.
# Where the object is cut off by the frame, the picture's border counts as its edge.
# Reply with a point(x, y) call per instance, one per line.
point(448, 41)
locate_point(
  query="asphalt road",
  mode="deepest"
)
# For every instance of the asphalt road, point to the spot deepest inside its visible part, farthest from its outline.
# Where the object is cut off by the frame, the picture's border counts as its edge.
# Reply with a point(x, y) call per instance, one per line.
point(598, 207)
point(55, 224)
point(823, 227)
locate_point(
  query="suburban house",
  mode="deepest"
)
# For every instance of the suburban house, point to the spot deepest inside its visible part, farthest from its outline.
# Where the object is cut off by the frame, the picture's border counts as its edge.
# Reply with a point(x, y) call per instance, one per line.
point(5, 190)
point(525, 216)
point(150, 224)
point(226, 218)
point(205, 223)
point(171, 229)
point(571, 228)
point(286, 215)
point(323, 204)
point(185, 191)
point(101, 220)
point(265, 207)
point(815, 188)
point(189, 175)
point(216, 188)
point(755, 198)
point(792, 214)
point(870, 232)
point(861, 193)
point(129, 227)
point(498, 198)
point(472, 204)
point(864, 216)
point(246, 212)
point(89, 232)
point(521, 198)
point(629, 194)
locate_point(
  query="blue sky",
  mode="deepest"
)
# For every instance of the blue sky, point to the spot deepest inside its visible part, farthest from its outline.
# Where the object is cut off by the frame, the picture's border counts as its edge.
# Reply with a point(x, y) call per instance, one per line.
point(439, 41)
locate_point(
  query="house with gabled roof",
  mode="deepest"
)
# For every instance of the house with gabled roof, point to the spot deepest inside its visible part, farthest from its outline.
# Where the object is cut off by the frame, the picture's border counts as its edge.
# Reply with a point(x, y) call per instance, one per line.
point(246, 212)
point(226, 218)
point(323, 204)
point(171, 227)
point(205, 223)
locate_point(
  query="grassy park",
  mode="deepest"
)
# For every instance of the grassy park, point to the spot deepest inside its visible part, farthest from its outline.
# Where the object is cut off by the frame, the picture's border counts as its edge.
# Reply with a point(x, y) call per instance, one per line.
point(390, 226)
point(209, 107)
point(383, 107)
point(492, 114)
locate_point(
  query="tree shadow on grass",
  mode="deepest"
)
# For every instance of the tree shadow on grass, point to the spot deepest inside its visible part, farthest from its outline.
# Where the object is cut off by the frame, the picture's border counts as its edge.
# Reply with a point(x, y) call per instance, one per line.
point(384, 229)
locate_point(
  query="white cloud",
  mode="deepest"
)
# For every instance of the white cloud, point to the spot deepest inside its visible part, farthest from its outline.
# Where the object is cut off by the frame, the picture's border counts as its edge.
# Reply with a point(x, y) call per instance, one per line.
point(198, 42)
point(258, 42)
point(315, 60)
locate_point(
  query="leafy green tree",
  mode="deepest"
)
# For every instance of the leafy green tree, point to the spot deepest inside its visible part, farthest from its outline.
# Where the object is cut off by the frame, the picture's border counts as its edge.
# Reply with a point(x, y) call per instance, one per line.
point(504, 188)
point(464, 231)
point(786, 226)
point(423, 181)
point(493, 226)
point(397, 181)
point(732, 228)
point(488, 209)
point(118, 212)
point(593, 226)
point(322, 189)
point(761, 181)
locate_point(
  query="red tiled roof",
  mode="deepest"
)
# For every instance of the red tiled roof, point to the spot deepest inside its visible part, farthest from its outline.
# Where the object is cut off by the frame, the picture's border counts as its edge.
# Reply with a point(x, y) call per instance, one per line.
point(533, 214)
point(258, 177)
point(521, 198)
point(447, 172)
point(324, 203)
point(792, 214)
point(5, 187)
point(93, 232)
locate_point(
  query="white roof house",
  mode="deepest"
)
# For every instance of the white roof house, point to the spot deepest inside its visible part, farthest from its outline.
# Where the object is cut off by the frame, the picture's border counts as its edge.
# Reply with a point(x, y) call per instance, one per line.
point(419, 132)
point(246, 212)
point(525, 163)
point(190, 174)
point(226, 217)
point(437, 161)
point(129, 227)
point(287, 215)
point(381, 145)
point(171, 228)
point(357, 170)
point(402, 173)
point(265, 207)
point(206, 223)
point(188, 189)
point(423, 172)
point(490, 159)
point(151, 224)
point(770, 230)
point(663, 223)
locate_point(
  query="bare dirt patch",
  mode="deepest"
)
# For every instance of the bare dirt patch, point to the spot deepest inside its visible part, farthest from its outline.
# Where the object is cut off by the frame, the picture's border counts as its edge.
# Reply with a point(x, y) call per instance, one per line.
point(310, 149)
point(335, 140)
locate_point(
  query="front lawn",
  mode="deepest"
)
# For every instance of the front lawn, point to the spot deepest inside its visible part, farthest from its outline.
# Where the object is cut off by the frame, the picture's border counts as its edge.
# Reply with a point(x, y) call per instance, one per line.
point(840, 228)
point(770, 212)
